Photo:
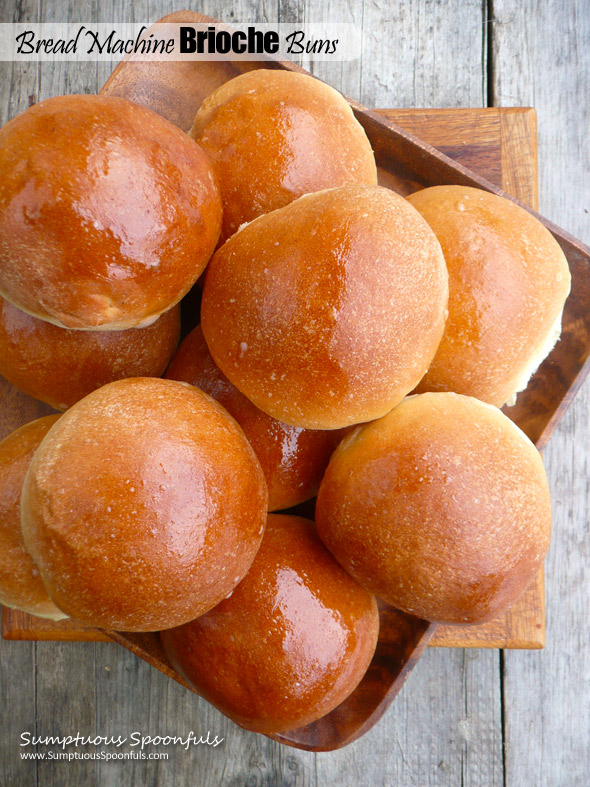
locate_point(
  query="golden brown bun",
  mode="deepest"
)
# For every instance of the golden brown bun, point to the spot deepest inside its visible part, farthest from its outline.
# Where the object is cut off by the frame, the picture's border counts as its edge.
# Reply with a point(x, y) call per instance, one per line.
point(327, 312)
point(274, 136)
point(21, 586)
point(144, 507)
point(292, 641)
point(108, 212)
point(60, 366)
point(508, 281)
point(441, 508)
point(293, 460)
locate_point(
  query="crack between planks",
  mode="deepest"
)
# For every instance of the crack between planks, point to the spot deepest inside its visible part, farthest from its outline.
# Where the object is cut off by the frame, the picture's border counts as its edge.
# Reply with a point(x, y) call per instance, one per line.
point(488, 46)
point(98, 766)
point(464, 754)
point(503, 713)
point(35, 710)
point(360, 87)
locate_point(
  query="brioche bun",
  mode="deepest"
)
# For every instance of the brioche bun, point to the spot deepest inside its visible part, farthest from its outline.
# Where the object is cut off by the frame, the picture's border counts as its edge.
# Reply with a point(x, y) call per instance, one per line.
point(108, 212)
point(292, 641)
point(21, 586)
point(441, 508)
point(274, 136)
point(144, 506)
point(508, 282)
point(60, 366)
point(327, 312)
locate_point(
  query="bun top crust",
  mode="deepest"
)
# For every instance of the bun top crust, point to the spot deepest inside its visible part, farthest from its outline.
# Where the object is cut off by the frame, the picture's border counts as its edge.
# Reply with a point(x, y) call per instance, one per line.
point(274, 136)
point(108, 212)
point(291, 642)
point(441, 508)
point(508, 282)
point(293, 460)
point(327, 312)
point(60, 366)
point(21, 585)
point(144, 507)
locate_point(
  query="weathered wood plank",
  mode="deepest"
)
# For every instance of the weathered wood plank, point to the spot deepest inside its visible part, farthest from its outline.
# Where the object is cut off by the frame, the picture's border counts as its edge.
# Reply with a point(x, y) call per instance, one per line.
point(443, 729)
point(65, 700)
point(423, 53)
point(541, 57)
point(17, 701)
point(132, 697)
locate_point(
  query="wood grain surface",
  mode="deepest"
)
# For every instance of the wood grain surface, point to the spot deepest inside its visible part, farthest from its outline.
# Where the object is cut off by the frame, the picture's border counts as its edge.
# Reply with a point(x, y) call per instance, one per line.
point(501, 145)
point(469, 717)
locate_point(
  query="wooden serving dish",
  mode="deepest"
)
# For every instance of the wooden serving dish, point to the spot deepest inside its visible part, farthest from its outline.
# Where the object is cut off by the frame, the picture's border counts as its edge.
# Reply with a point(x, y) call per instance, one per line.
point(499, 143)
point(406, 164)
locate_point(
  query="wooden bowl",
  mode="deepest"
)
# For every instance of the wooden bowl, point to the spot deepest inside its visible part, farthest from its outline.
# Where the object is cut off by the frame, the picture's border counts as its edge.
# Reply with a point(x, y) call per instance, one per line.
point(406, 164)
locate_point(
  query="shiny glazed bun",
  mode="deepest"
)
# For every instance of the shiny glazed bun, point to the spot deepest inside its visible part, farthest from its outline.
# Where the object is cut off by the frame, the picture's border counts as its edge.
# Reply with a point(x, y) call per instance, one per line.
point(108, 212)
point(59, 366)
point(274, 136)
point(144, 506)
point(508, 282)
point(327, 312)
point(21, 586)
point(292, 641)
point(441, 508)
point(293, 460)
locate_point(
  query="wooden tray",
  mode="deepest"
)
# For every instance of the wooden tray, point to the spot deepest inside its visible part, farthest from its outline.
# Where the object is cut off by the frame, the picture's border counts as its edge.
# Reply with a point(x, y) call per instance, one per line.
point(406, 164)
point(500, 144)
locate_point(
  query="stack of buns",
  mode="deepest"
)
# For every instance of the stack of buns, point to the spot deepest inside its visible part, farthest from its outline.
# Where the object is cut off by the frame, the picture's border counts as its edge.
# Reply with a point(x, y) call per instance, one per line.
point(351, 344)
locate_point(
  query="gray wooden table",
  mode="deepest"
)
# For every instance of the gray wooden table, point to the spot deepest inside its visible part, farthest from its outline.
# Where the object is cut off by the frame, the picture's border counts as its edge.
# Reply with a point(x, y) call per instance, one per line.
point(465, 717)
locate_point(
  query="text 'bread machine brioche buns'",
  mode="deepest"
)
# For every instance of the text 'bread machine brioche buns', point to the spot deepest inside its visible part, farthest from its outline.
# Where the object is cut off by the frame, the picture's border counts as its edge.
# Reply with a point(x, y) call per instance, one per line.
point(292, 641)
point(144, 507)
point(441, 508)
point(274, 136)
point(293, 460)
point(59, 366)
point(108, 212)
point(327, 312)
point(21, 586)
point(508, 282)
